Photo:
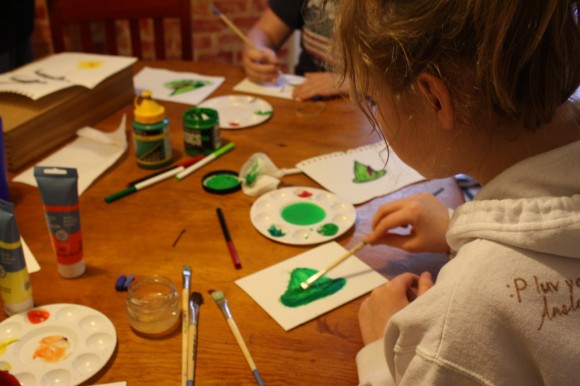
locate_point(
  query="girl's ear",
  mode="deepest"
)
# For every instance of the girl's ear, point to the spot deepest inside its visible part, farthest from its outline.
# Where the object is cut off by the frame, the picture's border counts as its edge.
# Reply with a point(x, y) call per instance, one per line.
point(439, 99)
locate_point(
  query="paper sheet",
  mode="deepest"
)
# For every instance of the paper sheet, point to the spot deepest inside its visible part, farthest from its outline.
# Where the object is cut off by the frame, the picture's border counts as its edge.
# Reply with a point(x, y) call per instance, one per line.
point(357, 174)
point(60, 71)
point(281, 89)
point(91, 154)
point(267, 285)
point(183, 87)
point(31, 263)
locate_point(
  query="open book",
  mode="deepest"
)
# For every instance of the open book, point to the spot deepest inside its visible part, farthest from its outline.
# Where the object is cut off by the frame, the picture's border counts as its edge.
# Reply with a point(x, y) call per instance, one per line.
point(60, 71)
point(361, 174)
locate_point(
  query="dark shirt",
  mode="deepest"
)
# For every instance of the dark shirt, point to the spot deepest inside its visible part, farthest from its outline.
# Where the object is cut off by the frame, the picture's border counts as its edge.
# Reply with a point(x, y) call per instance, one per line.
point(316, 22)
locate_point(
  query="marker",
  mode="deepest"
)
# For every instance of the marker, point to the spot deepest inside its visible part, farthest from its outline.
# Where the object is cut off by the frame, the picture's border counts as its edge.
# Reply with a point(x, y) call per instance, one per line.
point(142, 185)
point(185, 164)
point(219, 152)
point(229, 241)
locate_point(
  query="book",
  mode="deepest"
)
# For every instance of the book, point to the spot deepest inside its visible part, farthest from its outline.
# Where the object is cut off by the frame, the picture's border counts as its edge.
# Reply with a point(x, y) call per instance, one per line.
point(361, 174)
point(34, 125)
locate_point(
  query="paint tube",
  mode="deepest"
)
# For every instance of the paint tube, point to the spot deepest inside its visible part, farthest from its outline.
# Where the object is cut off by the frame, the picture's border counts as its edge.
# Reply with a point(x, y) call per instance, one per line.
point(4, 195)
point(14, 279)
point(59, 192)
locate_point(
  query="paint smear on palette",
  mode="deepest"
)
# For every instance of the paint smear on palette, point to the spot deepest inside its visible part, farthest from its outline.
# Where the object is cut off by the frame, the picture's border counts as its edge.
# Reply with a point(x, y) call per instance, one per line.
point(295, 296)
point(185, 85)
point(275, 231)
point(365, 173)
point(37, 316)
point(52, 349)
point(4, 344)
point(329, 229)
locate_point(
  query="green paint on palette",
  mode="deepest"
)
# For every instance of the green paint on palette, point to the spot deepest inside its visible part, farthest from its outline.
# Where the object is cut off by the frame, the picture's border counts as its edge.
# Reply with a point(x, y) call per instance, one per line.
point(263, 112)
point(329, 229)
point(295, 296)
point(276, 232)
point(303, 213)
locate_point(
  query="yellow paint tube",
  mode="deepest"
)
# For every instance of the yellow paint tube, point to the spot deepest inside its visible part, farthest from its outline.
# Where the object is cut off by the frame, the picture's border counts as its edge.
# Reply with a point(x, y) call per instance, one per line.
point(14, 279)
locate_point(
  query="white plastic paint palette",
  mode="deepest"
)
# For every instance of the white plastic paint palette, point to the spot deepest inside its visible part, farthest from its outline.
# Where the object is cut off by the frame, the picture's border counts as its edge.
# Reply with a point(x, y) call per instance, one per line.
point(302, 215)
point(89, 340)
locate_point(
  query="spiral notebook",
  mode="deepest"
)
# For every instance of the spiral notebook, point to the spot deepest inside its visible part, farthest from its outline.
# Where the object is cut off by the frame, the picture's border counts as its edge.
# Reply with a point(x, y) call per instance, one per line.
point(361, 174)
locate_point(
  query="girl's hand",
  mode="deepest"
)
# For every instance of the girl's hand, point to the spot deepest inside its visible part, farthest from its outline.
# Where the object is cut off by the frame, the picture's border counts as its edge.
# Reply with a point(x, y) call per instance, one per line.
point(376, 310)
point(427, 216)
point(319, 84)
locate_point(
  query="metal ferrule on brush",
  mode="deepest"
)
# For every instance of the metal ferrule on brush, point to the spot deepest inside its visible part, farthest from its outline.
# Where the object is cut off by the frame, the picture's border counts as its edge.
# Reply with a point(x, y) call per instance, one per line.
point(225, 309)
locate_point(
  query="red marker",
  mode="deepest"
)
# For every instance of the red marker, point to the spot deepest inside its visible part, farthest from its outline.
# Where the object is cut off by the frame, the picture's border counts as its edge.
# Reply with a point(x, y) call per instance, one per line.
point(229, 242)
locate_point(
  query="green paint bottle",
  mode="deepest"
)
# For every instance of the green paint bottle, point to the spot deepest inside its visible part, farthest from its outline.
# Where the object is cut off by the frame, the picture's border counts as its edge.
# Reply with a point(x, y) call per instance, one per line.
point(151, 133)
point(201, 131)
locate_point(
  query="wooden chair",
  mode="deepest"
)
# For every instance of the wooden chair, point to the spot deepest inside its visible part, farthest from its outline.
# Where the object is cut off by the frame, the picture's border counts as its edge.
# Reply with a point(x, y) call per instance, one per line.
point(87, 15)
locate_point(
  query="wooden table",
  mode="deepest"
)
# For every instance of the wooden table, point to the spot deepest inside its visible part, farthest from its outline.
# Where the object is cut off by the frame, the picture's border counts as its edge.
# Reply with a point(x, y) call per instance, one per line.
point(135, 235)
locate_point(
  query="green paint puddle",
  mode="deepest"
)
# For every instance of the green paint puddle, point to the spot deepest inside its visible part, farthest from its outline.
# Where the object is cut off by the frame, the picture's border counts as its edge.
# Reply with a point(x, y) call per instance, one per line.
point(303, 213)
point(263, 112)
point(329, 229)
point(221, 181)
point(295, 296)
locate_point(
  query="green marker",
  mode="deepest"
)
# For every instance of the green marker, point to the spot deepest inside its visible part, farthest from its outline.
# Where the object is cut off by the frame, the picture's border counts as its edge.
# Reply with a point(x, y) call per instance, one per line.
point(143, 184)
point(216, 154)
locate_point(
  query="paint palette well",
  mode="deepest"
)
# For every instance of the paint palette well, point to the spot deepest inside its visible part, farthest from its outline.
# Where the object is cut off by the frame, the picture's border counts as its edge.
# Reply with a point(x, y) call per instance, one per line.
point(58, 344)
point(239, 111)
point(302, 215)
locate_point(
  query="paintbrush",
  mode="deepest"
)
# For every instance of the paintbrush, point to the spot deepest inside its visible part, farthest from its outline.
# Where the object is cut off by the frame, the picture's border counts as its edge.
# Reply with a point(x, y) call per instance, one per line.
point(221, 301)
point(242, 36)
point(195, 301)
point(306, 284)
point(186, 276)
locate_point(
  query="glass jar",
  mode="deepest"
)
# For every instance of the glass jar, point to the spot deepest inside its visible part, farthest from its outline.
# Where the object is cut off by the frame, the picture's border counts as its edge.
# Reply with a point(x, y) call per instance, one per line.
point(153, 306)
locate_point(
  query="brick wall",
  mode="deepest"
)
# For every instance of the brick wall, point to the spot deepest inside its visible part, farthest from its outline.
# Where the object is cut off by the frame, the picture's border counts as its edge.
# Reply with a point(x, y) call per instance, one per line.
point(213, 41)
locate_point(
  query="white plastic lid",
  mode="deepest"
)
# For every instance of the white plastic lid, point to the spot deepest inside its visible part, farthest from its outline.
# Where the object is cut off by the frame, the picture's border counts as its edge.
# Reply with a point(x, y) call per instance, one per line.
point(70, 271)
point(15, 308)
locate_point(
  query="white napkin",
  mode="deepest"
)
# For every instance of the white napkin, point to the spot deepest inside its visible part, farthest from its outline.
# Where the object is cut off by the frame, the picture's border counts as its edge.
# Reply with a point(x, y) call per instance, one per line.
point(92, 153)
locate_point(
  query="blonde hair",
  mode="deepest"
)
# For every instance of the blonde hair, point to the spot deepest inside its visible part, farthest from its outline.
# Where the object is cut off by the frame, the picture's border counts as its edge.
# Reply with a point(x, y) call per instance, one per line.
point(520, 57)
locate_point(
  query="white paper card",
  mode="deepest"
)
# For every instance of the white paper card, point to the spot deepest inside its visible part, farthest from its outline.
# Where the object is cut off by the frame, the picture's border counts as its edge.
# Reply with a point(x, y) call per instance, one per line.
point(91, 154)
point(357, 174)
point(281, 89)
point(266, 286)
point(183, 87)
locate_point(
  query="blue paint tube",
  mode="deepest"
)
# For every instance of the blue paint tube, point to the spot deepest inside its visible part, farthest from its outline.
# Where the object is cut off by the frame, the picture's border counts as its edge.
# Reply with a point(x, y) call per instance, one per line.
point(14, 279)
point(59, 192)
point(4, 195)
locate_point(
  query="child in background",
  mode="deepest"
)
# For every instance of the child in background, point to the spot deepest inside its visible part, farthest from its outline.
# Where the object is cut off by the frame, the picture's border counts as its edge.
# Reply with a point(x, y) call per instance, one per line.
point(315, 19)
point(481, 87)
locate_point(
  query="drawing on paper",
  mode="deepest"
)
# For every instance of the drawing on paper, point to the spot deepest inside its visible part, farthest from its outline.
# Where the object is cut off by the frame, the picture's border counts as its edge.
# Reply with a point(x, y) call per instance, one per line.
point(295, 296)
point(185, 85)
point(365, 173)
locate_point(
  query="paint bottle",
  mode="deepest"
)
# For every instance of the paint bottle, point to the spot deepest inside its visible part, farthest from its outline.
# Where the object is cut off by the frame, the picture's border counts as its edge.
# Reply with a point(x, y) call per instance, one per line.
point(201, 131)
point(59, 193)
point(14, 278)
point(151, 133)
point(4, 194)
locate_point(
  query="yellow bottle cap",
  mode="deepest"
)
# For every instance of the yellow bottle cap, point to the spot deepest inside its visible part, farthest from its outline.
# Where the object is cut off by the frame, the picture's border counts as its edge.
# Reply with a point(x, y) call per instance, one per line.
point(147, 110)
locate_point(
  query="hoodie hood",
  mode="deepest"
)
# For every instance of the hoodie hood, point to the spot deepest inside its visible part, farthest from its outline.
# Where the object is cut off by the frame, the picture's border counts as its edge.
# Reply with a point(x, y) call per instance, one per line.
point(534, 205)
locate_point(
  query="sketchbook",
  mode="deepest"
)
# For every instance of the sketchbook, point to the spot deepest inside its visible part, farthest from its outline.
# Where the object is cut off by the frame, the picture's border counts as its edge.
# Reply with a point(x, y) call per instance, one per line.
point(361, 174)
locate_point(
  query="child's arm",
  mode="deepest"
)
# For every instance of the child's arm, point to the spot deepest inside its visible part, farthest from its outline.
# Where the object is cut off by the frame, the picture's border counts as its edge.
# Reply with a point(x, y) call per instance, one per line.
point(427, 216)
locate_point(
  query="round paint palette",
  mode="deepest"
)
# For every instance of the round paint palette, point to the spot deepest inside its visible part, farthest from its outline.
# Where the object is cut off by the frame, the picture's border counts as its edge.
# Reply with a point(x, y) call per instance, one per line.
point(239, 111)
point(58, 344)
point(302, 215)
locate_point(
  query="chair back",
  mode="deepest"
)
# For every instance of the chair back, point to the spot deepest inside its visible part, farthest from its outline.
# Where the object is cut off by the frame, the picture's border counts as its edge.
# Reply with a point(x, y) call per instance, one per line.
point(87, 15)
